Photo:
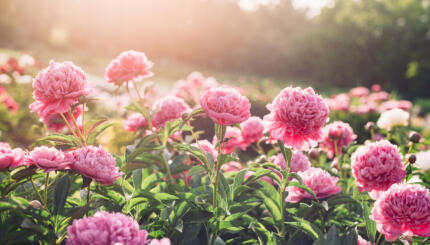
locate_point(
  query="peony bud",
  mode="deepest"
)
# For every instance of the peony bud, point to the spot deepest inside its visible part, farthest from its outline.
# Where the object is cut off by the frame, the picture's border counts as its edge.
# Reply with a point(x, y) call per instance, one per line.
point(414, 137)
point(369, 126)
point(314, 154)
point(412, 159)
point(35, 204)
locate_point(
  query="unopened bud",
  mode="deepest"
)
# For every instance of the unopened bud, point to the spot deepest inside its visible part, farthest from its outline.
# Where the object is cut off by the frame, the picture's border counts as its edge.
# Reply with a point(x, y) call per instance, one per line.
point(185, 116)
point(414, 137)
point(369, 126)
point(35, 204)
point(335, 134)
point(314, 154)
point(412, 159)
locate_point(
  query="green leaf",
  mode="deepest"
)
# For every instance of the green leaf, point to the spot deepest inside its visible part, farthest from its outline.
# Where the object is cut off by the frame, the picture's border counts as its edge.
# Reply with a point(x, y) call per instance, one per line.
point(370, 224)
point(150, 181)
point(137, 179)
point(97, 131)
point(165, 196)
point(306, 227)
point(271, 205)
point(196, 170)
point(60, 193)
point(303, 187)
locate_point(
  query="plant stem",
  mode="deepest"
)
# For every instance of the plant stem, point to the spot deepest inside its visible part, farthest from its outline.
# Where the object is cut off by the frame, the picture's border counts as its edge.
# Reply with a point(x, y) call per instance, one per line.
point(68, 125)
point(46, 187)
point(81, 136)
point(379, 238)
point(37, 191)
point(88, 197)
point(166, 165)
point(137, 91)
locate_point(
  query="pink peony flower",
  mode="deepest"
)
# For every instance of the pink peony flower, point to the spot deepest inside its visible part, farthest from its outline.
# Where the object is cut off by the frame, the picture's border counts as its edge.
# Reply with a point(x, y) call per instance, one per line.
point(48, 159)
point(95, 163)
point(208, 147)
point(318, 180)
point(296, 117)
point(359, 92)
point(10, 158)
point(361, 241)
point(58, 87)
point(127, 66)
point(225, 106)
point(134, 122)
point(339, 102)
point(252, 130)
point(378, 96)
point(106, 228)
point(404, 209)
point(376, 87)
point(299, 162)
point(164, 241)
point(395, 104)
point(377, 166)
point(232, 140)
point(54, 122)
point(168, 109)
point(231, 167)
point(339, 131)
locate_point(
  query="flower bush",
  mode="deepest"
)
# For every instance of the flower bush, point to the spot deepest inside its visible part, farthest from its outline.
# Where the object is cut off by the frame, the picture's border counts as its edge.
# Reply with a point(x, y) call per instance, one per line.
point(300, 175)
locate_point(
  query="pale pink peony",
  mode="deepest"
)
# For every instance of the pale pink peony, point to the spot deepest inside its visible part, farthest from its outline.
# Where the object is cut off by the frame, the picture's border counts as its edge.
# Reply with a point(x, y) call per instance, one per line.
point(10, 158)
point(168, 109)
point(361, 241)
point(318, 180)
point(339, 131)
point(299, 162)
point(48, 158)
point(232, 140)
point(106, 229)
point(164, 241)
point(359, 92)
point(395, 104)
point(134, 122)
point(128, 66)
point(232, 166)
point(296, 117)
point(339, 102)
point(225, 106)
point(54, 122)
point(191, 88)
point(378, 96)
point(252, 130)
point(95, 163)
point(404, 209)
point(377, 166)
point(57, 87)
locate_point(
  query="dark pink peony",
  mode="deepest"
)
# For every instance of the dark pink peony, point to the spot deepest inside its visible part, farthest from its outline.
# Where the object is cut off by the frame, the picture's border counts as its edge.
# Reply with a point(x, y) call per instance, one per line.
point(58, 87)
point(252, 130)
point(319, 181)
point(106, 229)
point(225, 106)
point(404, 209)
point(168, 109)
point(296, 117)
point(48, 159)
point(339, 131)
point(127, 66)
point(95, 163)
point(377, 166)
point(135, 122)
point(10, 158)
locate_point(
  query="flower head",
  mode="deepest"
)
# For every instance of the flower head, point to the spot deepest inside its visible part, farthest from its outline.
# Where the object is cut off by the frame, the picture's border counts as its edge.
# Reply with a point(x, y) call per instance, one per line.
point(404, 209)
point(134, 122)
point(106, 228)
point(423, 160)
point(337, 131)
point(377, 166)
point(10, 158)
point(252, 130)
point(168, 109)
point(392, 118)
point(48, 158)
point(127, 66)
point(57, 87)
point(299, 162)
point(232, 140)
point(164, 241)
point(359, 92)
point(296, 117)
point(207, 147)
point(225, 106)
point(95, 163)
point(319, 181)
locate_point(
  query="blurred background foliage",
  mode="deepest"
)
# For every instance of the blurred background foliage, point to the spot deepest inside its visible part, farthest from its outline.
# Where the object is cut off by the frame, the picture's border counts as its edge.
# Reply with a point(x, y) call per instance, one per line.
point(349, 43)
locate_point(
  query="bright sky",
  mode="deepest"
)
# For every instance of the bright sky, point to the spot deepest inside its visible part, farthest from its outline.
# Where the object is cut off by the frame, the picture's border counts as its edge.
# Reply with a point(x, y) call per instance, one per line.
point(313, 5)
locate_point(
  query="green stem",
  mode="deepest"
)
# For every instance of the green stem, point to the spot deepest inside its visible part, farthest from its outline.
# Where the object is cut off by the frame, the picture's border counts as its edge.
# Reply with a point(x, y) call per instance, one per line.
point(68, 125)
point(46, 187)
point(379, 238)
point(88, 197)
point(137, 91)
point(81, 136)
point(166, 165)
point(36, 190)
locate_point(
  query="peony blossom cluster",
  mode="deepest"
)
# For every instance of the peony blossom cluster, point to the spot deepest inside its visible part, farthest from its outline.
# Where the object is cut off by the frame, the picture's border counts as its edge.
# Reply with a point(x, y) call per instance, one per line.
point(10, 158)
point(168, 109)
point(316, 179)
point(296, 117)
point(58, 87)
point(404, 209)
point(225, 106)
point(392, 118)
point(377, 166)
point(106, 228)
point(95, 163)
point(135, 122)
point(338, 132)
point(128, 66)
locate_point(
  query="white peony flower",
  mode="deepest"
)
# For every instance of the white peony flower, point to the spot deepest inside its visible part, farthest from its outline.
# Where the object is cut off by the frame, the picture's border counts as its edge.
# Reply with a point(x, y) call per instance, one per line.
point(391, 118)
point(423, 160)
